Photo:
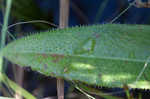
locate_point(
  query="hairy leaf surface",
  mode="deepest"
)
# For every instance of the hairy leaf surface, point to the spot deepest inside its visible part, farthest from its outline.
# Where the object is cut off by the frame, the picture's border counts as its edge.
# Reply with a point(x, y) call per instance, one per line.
point(109, 55)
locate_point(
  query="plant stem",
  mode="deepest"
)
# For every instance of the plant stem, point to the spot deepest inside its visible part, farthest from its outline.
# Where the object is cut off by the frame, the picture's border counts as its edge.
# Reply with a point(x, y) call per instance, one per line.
point(4, 30)
point(5, 24)
point(3, 33)
point(64, 13)
point(63, 22)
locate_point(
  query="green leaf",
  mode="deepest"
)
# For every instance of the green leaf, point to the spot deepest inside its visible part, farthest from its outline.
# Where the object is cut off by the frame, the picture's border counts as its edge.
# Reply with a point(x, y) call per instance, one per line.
point(108, 55)
point(16, 87)
point(96, 92)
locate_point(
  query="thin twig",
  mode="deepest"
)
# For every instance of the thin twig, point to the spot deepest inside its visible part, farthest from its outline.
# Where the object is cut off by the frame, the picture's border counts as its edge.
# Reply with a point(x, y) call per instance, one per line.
point(130, 5)
point(64, 13)
point(63, 22)
point(89, 96)
point(33, 21)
